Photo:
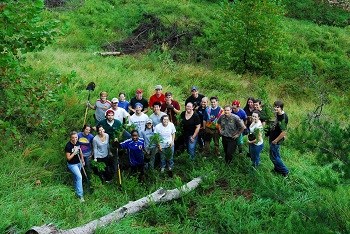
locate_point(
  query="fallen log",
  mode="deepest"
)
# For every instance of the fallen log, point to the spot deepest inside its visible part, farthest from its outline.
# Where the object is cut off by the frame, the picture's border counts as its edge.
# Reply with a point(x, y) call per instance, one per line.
point(161, 195)
point(116, 53)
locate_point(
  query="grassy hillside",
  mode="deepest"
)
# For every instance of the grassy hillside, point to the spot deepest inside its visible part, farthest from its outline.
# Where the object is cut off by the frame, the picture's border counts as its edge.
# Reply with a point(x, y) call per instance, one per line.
point(232, 199)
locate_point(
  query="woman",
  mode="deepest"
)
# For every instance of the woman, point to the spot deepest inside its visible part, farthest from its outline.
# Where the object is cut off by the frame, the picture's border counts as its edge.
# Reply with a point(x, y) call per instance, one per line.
point(191, 125)
point(255, 139)
point(201, 111)
point(75, 160)
point(101, 153)
point(101, 106)
point(166, 130)
point(85, 141)
point(249, 108)
point(150, 147)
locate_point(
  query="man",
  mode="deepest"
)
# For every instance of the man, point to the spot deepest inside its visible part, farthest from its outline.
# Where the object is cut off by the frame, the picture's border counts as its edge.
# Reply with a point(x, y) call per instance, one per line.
point(195, 98)
point(157, 114)
point(236, 110)
point(100, 107)
point(135, 148)
point(166, 131)
point(171, 108)
point(119, 113)
point(139, 118)
point(110, 125)
point(230, 128)
point(157, 97)
point(262, 112)
point(276, 136)
point(210, 126)
point(138, 99)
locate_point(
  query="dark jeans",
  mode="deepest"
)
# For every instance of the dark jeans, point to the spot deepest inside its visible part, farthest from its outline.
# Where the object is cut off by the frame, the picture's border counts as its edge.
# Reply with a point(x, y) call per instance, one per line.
point(276, 159)
point(229, 144)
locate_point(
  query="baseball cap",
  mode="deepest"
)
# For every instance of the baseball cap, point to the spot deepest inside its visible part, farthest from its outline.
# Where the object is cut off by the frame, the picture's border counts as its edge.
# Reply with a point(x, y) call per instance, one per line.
point(139, 91)
point(149, 121)
point(109, 111)
point(138, 104)
point(158, 87)
point(114, 100)
point(236, 103)
point(194, 88)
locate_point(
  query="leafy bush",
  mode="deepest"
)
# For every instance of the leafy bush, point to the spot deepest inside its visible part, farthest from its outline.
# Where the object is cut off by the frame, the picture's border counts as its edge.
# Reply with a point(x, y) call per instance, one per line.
point(317, 11)
point(247, 37)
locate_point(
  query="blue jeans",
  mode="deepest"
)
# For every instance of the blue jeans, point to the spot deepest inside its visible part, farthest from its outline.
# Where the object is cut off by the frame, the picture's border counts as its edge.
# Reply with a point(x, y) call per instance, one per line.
point(255, 151)
point(275, 157)
point(191, 146)
point(167, 154)
point(152, 152)
point(77, 177)
point(87, 159)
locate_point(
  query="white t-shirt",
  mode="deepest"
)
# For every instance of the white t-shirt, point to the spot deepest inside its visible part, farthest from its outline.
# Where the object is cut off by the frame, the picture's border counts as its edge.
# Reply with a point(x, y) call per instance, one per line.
point(119, 114)
point(259, 126)
point(165, 133)
point(139, 121)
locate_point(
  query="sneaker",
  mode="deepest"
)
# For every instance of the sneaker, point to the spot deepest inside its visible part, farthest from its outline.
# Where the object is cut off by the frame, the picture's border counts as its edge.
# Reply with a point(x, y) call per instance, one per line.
point(220, 157)
point(285, 175)
point(170, 169)
point(162, 170)
point(82, 199)
point(108, 181)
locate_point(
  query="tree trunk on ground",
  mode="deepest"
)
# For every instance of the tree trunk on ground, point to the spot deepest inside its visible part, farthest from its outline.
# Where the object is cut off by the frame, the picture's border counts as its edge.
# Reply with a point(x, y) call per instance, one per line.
point(161, 195)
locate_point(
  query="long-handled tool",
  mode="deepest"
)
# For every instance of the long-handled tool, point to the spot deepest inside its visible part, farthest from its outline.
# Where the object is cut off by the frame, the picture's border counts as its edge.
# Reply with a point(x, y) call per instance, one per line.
point(87, 178)
point(118, 169)
point(90, 87)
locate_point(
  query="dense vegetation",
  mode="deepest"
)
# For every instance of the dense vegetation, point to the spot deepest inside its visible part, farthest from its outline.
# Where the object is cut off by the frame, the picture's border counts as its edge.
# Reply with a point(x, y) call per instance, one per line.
point(47, 58)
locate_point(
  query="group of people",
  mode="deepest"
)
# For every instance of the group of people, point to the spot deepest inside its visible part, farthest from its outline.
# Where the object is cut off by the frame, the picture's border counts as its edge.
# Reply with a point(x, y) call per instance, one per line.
point(202, 121)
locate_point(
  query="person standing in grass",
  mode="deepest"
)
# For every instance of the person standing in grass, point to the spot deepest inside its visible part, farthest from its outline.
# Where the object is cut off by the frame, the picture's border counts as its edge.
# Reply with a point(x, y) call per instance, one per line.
point(150, 148)
point(119, 113)
point(135, 147)
point(230, 128)
point(139, 118)
point(236, 110)
point(138, 99)
point(210, 126)
point(75, 159)
point(191, 124)
point(171, 108)
point(167, 131)
point(195, 98)
point(100, 107)
point(277, 133)
point(123, 103)
point(157, 97)
point(248, 109)
point(110, 124)
point(262, 112)
point(102, 154)
point(157, 114)
point(255, 139)
point(85, 141)
point(201, 111)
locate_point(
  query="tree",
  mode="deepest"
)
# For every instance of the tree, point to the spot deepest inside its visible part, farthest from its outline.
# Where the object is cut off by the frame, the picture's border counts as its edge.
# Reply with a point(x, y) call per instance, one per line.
point(249, 37)
point(23, 29)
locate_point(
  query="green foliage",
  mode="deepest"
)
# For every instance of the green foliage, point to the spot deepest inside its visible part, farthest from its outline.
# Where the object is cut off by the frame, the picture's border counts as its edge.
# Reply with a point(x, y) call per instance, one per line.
point(248, 36)
point(328, 139)
point(23, 29)
point(319, 12)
